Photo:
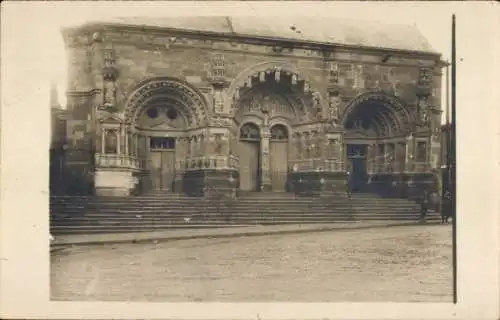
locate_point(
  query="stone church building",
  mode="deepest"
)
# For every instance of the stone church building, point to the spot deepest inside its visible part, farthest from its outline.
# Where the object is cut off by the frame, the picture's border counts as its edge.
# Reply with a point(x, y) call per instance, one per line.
point(225, 105)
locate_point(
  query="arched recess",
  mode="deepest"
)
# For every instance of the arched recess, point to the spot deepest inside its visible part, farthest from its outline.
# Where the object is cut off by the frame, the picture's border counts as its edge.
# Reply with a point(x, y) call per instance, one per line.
point(369, 119)
point(157, 106)
point(249, 156)
point(176, 93)
point(276, 78)
point(278, 156)
point(377, 115)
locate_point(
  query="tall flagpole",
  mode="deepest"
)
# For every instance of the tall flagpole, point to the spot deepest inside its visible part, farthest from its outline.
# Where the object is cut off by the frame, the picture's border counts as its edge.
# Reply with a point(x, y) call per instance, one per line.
point(452, 157)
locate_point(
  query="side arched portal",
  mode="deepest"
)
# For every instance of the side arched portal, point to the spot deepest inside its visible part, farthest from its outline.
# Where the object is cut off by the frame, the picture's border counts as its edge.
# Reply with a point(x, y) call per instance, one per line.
point(376, 125)
point(160, 114)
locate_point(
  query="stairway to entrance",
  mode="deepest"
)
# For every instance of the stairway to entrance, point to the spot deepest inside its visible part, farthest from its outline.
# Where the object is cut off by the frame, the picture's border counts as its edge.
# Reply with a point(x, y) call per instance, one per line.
point(161, 210)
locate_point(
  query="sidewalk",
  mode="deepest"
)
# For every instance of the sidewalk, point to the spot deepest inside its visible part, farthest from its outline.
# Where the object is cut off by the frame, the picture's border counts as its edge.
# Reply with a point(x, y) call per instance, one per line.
point(226, 232)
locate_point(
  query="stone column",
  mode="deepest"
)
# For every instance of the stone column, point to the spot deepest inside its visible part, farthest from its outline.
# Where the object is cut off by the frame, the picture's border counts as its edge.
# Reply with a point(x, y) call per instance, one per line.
point(103, 140)
point(386, 157)
point(370, 158)
point(410, 153)
point(265, 184)
point(180, 156)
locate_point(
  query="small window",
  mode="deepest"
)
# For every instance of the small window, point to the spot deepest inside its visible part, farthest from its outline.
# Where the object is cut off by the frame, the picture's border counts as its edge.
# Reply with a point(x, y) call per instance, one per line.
point(152, 113)
point(162, 143)
point(172, 114)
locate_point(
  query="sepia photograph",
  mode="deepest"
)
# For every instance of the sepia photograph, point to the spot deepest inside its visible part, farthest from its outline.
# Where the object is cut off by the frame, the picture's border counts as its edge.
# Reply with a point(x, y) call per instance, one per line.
point(226, 127)
point(237, 157)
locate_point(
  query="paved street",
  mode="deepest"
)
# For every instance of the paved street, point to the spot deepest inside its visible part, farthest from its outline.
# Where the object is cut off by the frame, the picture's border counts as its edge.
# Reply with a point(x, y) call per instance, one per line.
point(404, 264)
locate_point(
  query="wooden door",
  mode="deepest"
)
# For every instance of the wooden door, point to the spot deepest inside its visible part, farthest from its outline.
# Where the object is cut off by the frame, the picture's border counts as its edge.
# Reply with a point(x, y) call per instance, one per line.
point(168, 170)
point(278, 152)
point(249, 165)
point(156, 170)
point(162, 170)
point(358, 176)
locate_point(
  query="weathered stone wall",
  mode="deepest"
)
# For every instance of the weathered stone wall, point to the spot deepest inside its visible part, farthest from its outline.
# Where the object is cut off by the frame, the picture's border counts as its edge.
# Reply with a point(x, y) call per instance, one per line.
point(141, 55)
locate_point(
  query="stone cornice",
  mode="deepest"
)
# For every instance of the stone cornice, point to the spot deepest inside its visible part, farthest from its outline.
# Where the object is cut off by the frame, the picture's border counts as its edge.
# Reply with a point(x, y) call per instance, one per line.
point(88, 93)
point(88, 29)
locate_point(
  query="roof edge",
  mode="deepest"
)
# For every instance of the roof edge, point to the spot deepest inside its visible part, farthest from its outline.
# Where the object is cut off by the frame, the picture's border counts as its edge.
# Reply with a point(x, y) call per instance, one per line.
point(95, 26)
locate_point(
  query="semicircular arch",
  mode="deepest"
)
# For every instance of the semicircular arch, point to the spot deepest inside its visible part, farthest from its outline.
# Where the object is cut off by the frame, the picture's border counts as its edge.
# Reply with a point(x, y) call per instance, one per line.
point(192, 100)
point(283, 67)
point(390, 112)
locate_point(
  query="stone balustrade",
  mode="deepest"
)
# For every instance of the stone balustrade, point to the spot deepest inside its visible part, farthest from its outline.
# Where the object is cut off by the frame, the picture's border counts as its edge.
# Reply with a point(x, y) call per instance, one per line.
point(421, 167)
point(208, 162)
point(330, 165)
point(119, 161)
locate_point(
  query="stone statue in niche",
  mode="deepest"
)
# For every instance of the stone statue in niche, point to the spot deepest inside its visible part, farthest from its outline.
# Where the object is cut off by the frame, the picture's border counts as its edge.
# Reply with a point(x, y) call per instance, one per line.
point(422, 110)
point(316, 100)
point(218, 143)
point(218, 101)
point(334, 105)
point(109, 93)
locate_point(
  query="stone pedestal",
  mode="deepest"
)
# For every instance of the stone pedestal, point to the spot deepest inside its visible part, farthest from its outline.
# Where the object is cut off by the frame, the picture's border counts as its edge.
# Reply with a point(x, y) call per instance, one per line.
point(401, 185)
point(314, 183)
point(211, 183)
point(114, 183)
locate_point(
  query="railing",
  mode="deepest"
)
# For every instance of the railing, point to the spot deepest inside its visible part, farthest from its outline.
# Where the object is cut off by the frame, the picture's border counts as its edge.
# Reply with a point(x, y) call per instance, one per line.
point(316, 165)
point(397, 167)
point(421, 167)
point(119, 161)
point(208, 162)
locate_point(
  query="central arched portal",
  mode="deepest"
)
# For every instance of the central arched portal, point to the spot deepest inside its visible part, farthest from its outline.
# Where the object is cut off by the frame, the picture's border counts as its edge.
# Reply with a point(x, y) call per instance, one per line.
point(249, 155)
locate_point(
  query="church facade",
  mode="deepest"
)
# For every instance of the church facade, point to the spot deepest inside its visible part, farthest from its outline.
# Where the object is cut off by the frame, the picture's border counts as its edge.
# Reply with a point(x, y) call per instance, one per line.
point(217, 106)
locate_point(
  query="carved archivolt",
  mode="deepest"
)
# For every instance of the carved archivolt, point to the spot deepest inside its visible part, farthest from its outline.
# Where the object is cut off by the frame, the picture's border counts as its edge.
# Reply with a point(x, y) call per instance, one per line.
point(275, 71)
point(391, 111)
point(192, 101)
point(275, 105)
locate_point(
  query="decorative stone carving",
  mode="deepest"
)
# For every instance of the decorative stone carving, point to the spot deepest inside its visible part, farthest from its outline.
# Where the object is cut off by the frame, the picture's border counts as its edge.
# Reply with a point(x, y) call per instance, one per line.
point(423, 110)
point(250, 131)
point(279, 132)
point(358, 76)
point(334, 104)
point(109, 71)
point(391, 101)
point(192, 99)
point(262, 76)
point(425, 76)
point(96, 36)
point(277, 75)
point(218, 100)
point(334, 73)
point(109, 93)
point(218, 66)
point(307, 87)
point(221, 122)
point(111, 141)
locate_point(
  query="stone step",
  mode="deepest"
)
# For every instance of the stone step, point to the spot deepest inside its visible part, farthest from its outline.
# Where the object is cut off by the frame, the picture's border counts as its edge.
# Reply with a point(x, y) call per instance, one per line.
point(145, 228)
point(169, 211)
